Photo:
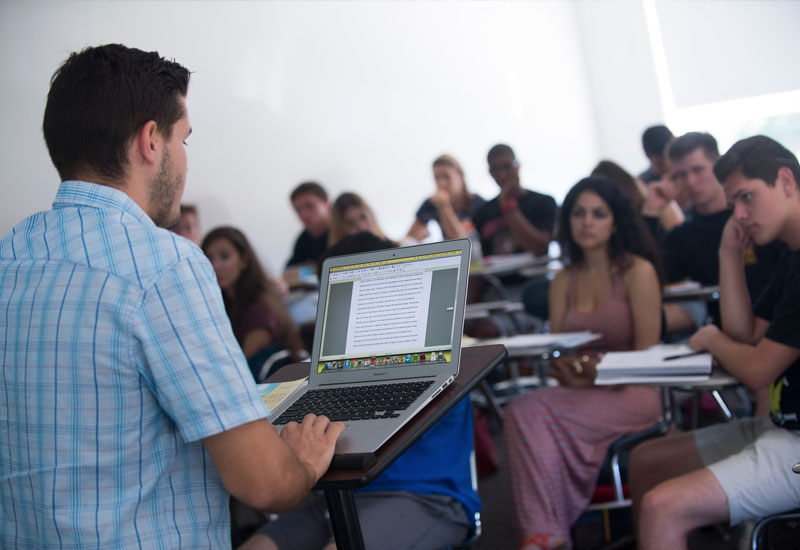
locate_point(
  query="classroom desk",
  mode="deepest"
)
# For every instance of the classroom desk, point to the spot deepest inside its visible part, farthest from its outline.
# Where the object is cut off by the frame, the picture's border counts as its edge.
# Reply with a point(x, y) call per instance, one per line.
point(482, 310)
point(338, 485)
point(508, 264)
point(706, 293)
point(717, 380)
point(539, 347)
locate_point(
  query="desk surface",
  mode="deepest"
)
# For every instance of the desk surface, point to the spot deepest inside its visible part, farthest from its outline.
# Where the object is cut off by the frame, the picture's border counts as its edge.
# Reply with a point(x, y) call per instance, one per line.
point(684, 294)
point(476, 363)
point(512, 263)
point(482, 310)
point(717, 379)
point(535, 345)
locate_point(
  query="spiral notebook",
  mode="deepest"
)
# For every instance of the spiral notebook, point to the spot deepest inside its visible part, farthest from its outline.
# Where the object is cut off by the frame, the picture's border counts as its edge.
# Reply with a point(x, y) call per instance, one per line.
point(665, 363)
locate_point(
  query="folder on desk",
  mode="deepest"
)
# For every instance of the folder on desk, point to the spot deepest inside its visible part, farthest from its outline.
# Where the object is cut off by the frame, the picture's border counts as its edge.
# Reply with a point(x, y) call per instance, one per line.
point(556, 340)
point(651, 365)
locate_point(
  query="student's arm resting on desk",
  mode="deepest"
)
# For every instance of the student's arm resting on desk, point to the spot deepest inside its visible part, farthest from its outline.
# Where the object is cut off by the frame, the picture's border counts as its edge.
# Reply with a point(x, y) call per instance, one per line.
point(270, 472)
point(757, 366)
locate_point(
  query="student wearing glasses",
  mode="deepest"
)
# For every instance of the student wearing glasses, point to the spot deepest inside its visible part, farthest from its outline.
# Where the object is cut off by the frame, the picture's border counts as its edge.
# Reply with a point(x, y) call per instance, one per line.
point(516, 220)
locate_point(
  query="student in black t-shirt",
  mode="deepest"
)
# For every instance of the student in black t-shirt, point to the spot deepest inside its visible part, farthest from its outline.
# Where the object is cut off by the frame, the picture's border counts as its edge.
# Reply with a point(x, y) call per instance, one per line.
point(452, 206)
point(740, 469)
point(517, 220)
point(689, 251)
point(313, 207)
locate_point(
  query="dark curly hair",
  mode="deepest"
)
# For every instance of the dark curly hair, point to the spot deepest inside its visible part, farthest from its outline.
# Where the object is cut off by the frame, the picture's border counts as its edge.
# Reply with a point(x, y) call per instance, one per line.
point(757, 157)
point(631, 235)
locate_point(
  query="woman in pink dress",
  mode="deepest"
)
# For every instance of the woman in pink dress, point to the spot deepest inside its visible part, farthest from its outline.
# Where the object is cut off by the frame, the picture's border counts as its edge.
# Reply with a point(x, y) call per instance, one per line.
point(557, 437)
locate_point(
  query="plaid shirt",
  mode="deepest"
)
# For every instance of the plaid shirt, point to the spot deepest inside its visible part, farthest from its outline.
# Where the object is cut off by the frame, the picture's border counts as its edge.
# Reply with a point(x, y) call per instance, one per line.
point(116, 358)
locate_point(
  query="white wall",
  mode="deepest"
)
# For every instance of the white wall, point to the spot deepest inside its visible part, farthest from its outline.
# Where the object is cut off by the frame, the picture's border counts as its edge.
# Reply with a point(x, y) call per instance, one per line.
point(624, 87)
point(361, 95)
point(358, 95)
point(718, 51)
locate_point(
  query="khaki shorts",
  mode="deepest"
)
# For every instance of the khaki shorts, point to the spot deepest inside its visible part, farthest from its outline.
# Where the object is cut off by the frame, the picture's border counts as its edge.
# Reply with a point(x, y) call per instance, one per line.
point(752, 460)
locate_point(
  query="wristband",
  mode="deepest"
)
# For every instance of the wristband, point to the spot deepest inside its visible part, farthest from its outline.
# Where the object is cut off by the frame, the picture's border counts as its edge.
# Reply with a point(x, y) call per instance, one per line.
point(509, 206)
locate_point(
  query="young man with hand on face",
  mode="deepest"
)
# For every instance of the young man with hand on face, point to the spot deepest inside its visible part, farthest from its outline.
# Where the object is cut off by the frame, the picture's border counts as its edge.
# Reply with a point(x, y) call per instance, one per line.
point(741, 469)
point(129, 413)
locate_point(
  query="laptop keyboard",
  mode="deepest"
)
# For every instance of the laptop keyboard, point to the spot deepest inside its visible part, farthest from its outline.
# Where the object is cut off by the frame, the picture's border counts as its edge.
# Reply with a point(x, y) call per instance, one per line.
point(367, 402)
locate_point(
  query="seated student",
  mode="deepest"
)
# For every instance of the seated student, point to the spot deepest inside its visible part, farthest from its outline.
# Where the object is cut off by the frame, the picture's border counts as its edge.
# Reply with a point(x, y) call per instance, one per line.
point(517, 220)
point(310, 202)
point(654, 141)
point(740, 469)
point(689, 251)
point(557, 437)
point(257, 314)
point(424, 500)
point(452, 206)
point(639, 194)
point(189, 225)
point(350, 215)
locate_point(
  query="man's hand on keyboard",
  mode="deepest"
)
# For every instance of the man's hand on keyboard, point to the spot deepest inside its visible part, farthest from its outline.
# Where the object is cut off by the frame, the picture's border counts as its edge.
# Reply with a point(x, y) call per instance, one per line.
point(313, 441)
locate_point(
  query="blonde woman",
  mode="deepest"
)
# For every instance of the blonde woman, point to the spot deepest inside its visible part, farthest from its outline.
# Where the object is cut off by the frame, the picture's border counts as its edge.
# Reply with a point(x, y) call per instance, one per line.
point(451, 206)
point(350, 215)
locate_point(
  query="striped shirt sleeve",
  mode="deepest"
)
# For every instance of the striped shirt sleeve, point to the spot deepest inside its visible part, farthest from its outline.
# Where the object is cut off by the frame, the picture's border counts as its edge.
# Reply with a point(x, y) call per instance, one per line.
point(193, 363)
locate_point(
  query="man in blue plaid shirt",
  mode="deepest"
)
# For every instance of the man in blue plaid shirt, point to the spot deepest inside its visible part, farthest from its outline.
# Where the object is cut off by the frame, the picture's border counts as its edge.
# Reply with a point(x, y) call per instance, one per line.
point(127, 409)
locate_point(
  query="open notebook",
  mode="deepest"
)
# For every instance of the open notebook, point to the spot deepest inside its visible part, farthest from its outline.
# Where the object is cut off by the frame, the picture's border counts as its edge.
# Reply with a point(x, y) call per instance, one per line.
point(664, 363)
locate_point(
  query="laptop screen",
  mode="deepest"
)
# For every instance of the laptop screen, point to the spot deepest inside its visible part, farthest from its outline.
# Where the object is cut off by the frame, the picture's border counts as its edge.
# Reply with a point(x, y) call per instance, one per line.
point(390, 313)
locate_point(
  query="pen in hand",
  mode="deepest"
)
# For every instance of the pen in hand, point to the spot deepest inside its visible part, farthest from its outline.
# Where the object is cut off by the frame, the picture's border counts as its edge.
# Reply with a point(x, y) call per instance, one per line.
point(682, 355)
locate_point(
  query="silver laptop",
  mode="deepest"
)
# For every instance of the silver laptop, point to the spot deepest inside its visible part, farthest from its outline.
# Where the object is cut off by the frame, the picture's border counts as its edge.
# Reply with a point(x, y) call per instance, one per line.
point(387, 335)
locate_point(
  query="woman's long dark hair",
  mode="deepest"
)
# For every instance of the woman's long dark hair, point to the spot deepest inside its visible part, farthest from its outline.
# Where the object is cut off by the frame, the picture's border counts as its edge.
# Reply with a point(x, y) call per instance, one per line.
point(252, 285)
point(631, 236)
